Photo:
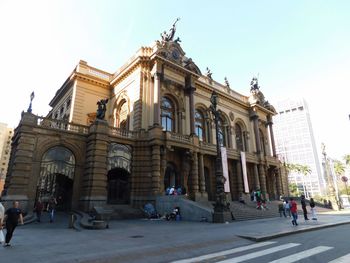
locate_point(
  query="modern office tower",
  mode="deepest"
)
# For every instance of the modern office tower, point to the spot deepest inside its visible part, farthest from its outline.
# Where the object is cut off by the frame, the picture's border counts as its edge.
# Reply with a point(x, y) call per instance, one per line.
point(295, 144)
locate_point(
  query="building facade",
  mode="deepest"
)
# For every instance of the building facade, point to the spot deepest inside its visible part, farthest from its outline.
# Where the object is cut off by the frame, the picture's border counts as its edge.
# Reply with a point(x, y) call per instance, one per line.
point(158, 132)
point(295, 144)
point(5, 150)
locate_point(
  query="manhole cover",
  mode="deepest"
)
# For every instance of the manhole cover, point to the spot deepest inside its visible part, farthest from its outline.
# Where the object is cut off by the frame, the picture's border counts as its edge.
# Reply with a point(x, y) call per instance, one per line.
point(137, 236)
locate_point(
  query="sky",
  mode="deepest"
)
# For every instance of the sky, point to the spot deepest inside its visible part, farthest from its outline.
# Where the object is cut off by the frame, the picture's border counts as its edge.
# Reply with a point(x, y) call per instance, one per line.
point(296, 48)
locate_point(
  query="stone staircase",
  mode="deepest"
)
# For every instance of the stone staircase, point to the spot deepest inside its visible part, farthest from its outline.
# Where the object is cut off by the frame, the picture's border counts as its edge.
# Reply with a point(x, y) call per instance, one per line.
point(124, 212)
point(248, 211)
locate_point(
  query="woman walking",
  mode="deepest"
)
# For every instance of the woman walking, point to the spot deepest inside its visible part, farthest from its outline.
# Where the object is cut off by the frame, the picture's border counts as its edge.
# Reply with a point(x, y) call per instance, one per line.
point(313, 209)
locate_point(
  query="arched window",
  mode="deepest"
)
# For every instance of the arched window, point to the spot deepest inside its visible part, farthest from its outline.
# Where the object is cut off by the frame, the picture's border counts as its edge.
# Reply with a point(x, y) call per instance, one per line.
point(122, 116)
point(262, 142)
point(239, 138)
point(167, 114)
point(222, 133)
point(199, 125)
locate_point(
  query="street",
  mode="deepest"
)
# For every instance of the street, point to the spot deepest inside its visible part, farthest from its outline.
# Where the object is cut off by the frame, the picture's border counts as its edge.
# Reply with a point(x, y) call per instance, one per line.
point(164, 241)
point(326, 245)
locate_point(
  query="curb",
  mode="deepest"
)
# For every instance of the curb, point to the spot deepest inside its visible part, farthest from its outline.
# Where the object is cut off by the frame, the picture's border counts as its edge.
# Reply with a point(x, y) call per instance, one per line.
point(281, 234)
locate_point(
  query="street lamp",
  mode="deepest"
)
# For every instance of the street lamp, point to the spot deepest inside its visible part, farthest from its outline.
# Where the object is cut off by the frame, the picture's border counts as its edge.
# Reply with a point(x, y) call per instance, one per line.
point(30, 104)
point(222, 211)
point(330, 190)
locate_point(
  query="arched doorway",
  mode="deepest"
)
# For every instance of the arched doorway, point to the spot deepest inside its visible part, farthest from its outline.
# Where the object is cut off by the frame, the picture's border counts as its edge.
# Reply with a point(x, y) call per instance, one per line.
point(118, 186)
point(171, 177)
point(118, 177)
point(56, 177)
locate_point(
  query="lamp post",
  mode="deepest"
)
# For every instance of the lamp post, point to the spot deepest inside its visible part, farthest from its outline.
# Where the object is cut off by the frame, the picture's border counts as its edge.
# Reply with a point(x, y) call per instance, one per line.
point(330, 190)
point(30, 104)
point(222, 211)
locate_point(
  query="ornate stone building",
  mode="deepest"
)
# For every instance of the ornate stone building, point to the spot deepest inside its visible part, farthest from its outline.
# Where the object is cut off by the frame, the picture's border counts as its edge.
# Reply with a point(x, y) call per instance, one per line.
point(158, 132)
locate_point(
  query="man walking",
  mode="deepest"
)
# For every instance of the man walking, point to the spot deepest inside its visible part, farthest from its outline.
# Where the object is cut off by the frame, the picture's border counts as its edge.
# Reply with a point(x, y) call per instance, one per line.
point(294, 211)
point(303, 206)
point(12, 215)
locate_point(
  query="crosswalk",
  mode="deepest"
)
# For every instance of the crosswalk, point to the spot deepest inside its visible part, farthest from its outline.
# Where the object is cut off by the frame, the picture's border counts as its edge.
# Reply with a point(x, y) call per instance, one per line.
point(256, 251)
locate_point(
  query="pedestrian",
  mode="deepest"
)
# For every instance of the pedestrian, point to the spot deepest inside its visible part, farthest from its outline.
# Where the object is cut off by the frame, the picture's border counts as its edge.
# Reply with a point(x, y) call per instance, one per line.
point(38, 209)
point(258, 199)
point(287, 208)
point(303, 206)
point(2, 215)
point(51, 207)
point(313, 209)
point(294, 211)
point(12, 215)
point(282, 209)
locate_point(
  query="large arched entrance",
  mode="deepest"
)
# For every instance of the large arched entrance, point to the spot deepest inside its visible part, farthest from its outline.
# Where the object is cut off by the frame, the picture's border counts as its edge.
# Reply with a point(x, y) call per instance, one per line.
point(56, 177)
point(118, 177)
point(118, 186)
point(171, 177)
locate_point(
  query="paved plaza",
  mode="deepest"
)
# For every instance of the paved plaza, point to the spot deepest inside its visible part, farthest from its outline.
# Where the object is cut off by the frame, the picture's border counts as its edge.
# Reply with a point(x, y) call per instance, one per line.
point(146, 240)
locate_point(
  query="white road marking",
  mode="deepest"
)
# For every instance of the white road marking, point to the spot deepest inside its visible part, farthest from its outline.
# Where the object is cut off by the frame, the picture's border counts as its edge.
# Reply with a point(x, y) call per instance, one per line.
point(301, 255)
point(343, 259)
point(259, 253)
point(226, 252)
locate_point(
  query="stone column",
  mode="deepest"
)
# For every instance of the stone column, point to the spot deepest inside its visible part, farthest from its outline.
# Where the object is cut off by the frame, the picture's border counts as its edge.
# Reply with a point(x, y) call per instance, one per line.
point(256, 177)
point(157, 98)
point(262, 178)
point(155, 169)
point(201, 173)
point(202, 190)
point(272, 137)
point(190, 89)
point(254, 116)
point(21, 168)
point(94, 189)
point(278, 182)
point(239, 178)
point(163, 163)
point(194, 177)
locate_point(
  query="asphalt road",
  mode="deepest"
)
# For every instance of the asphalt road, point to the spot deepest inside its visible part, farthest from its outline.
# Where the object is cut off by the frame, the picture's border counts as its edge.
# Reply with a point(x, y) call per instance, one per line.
point(162, 241)
point(321, 246)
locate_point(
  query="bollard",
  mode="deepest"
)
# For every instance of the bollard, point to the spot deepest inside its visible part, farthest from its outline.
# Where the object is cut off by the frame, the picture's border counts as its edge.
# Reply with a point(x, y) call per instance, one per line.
point(71, 220)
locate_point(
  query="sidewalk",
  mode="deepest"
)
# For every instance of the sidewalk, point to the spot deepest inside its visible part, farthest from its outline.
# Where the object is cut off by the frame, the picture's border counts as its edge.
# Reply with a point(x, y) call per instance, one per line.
point(136, 240)
point(263, 230)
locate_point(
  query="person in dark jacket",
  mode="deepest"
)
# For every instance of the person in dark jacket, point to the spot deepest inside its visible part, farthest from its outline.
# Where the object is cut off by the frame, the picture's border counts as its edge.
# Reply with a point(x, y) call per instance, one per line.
point(12, 216)
point(303, 206)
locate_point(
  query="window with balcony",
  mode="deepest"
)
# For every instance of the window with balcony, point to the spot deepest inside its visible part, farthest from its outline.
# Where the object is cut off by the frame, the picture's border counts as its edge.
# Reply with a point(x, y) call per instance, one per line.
point(199, 125)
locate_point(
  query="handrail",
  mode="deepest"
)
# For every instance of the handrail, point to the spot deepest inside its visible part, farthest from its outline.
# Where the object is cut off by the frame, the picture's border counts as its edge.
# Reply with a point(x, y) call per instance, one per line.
point(61, 125)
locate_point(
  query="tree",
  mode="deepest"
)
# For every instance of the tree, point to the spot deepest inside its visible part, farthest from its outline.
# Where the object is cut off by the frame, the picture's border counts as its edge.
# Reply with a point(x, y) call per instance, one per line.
point(300, 169)
point(347, 159)
point(293, 189)
point(339, 168)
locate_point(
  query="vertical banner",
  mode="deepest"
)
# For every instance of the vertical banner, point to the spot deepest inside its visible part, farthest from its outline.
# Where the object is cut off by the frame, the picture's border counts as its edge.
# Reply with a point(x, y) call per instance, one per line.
point(225, 169)
point(244, 170)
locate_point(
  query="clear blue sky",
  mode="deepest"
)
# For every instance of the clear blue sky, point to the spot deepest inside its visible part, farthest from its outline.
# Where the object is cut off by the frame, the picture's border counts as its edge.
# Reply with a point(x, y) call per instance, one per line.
point(298, 48)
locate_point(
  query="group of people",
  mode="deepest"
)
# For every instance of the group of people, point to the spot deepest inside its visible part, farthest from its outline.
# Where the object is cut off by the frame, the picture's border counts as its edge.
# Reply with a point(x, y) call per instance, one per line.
point(290, 208)
point(259, 198)
point(175, 191)
point(50, 207)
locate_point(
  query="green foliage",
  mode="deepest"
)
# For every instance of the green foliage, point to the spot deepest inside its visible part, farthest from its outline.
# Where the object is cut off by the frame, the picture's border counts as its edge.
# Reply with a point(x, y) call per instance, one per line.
point(298, 168)
point(347, 159)
point(339, 168)
point(293, 189)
